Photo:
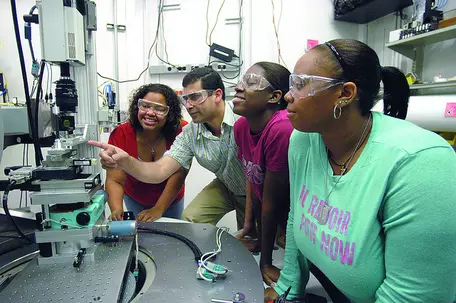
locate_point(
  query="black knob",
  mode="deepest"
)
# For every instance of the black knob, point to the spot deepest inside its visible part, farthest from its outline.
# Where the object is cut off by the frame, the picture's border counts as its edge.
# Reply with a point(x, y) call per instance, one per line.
point(83, 218)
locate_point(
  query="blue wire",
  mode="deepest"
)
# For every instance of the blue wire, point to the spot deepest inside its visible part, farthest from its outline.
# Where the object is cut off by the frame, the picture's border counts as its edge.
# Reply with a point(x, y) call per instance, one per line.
point(441, 3)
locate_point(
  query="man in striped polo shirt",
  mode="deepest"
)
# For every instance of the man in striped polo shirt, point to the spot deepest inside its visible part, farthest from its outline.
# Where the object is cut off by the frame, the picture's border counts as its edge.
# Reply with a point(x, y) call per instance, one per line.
point(210, 139)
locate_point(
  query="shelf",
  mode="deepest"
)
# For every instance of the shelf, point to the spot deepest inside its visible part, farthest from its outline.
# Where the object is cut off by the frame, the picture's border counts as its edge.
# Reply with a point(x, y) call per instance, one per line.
point(433, 85)
point(406, 46)
point(373, 10)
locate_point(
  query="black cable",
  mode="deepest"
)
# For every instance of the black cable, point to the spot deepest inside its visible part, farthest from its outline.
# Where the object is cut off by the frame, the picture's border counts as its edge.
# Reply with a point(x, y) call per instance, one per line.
point(39, 96)
point(23, 164)
point(30, 41)
point(32, 9)
point(48, 78)
point(195, 249)
point(7, 212)
point(38, 155)
point(32, 53)
point(27, 164)
point(11, 237)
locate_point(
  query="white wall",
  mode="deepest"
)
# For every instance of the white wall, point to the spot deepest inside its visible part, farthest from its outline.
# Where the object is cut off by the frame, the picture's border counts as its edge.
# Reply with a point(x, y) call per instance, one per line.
point(185, 32)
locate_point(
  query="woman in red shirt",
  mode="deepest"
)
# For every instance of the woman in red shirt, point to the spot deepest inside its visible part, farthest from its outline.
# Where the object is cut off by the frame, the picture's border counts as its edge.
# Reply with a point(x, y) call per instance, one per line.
point(155, 120)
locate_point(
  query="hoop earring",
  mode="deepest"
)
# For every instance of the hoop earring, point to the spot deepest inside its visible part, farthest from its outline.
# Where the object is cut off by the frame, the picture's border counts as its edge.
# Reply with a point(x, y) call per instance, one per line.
point(335, 113)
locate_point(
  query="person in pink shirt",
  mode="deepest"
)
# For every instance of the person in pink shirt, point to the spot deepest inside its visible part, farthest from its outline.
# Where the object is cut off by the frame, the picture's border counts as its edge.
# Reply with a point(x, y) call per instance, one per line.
point(262, 135)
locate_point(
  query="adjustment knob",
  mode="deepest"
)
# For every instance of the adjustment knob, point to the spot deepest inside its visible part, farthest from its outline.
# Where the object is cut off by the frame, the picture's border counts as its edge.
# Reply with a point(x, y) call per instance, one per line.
point(83, 218)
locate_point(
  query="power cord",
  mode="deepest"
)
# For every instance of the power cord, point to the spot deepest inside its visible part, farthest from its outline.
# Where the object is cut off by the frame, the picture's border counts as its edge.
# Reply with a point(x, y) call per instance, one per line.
point(136, 270)
point(8, 214)
point(151, 49)
point(276, 31)
point(209, 271)
point(195, 249)
point(209, 36)
point(34, 131)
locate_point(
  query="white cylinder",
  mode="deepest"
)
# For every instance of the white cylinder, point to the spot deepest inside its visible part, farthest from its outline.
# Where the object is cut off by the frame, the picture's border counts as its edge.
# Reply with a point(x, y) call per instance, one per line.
point(429, 112)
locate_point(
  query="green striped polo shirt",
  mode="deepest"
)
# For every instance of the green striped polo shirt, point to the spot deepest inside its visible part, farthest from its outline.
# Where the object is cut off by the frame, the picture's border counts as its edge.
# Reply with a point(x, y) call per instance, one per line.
point(216, 154)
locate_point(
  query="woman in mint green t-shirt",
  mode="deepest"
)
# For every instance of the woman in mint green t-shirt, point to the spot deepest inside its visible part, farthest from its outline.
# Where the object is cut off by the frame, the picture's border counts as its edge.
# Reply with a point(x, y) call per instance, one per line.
point(372, 195)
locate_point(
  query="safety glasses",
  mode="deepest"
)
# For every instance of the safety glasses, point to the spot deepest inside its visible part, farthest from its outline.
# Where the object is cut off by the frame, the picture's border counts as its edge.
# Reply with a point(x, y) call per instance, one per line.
point(197, 97)
point(156, 108)
point(302, 85)
point(254, 82)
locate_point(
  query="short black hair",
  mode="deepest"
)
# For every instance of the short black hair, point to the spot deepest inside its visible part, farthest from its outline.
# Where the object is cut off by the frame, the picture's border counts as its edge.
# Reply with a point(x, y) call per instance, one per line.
point(210, 79)
point(354, 61)
point(278, 76)
point(174, 117)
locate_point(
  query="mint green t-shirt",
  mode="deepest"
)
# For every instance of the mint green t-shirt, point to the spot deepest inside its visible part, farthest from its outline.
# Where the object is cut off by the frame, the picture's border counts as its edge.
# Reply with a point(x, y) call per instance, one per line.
point(390, 236)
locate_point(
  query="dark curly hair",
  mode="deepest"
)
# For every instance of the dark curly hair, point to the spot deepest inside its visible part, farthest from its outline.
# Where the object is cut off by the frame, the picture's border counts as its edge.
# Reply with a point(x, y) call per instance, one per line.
point(174, 116)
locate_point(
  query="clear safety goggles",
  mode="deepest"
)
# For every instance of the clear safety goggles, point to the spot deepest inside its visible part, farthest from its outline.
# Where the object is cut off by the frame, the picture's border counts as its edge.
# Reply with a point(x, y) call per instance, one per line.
point(197, 97)
point(254, 82)
point(156, 108)
point(302, 85)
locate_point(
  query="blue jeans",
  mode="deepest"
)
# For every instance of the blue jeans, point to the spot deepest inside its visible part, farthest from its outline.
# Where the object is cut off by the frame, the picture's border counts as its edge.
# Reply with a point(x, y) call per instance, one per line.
point(173, 211)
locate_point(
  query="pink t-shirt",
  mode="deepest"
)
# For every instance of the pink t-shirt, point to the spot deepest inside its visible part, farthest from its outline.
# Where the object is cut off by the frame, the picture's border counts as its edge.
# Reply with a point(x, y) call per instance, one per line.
point(267, 150)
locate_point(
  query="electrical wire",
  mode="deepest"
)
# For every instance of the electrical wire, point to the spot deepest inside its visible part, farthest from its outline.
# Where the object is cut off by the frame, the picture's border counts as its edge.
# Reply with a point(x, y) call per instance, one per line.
point(280, 15)
point(216, 21)
point(207, 21)
point(38, 97)
point(23, 164)
point(276, 31)
point(27, 164)
point(4, 77)
point(238, 72)
point(5, 92)
point(11, 237)
point(148, 55)
point(441, 3)
point(32, 92)
point(34, 131)
point(209, 255)
point(48, 80)
point(105, 102)
point(8, 214)
point(195, 249)
point(137, 254)
point(241, 62)
point(32, 53)
point(164, 41)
